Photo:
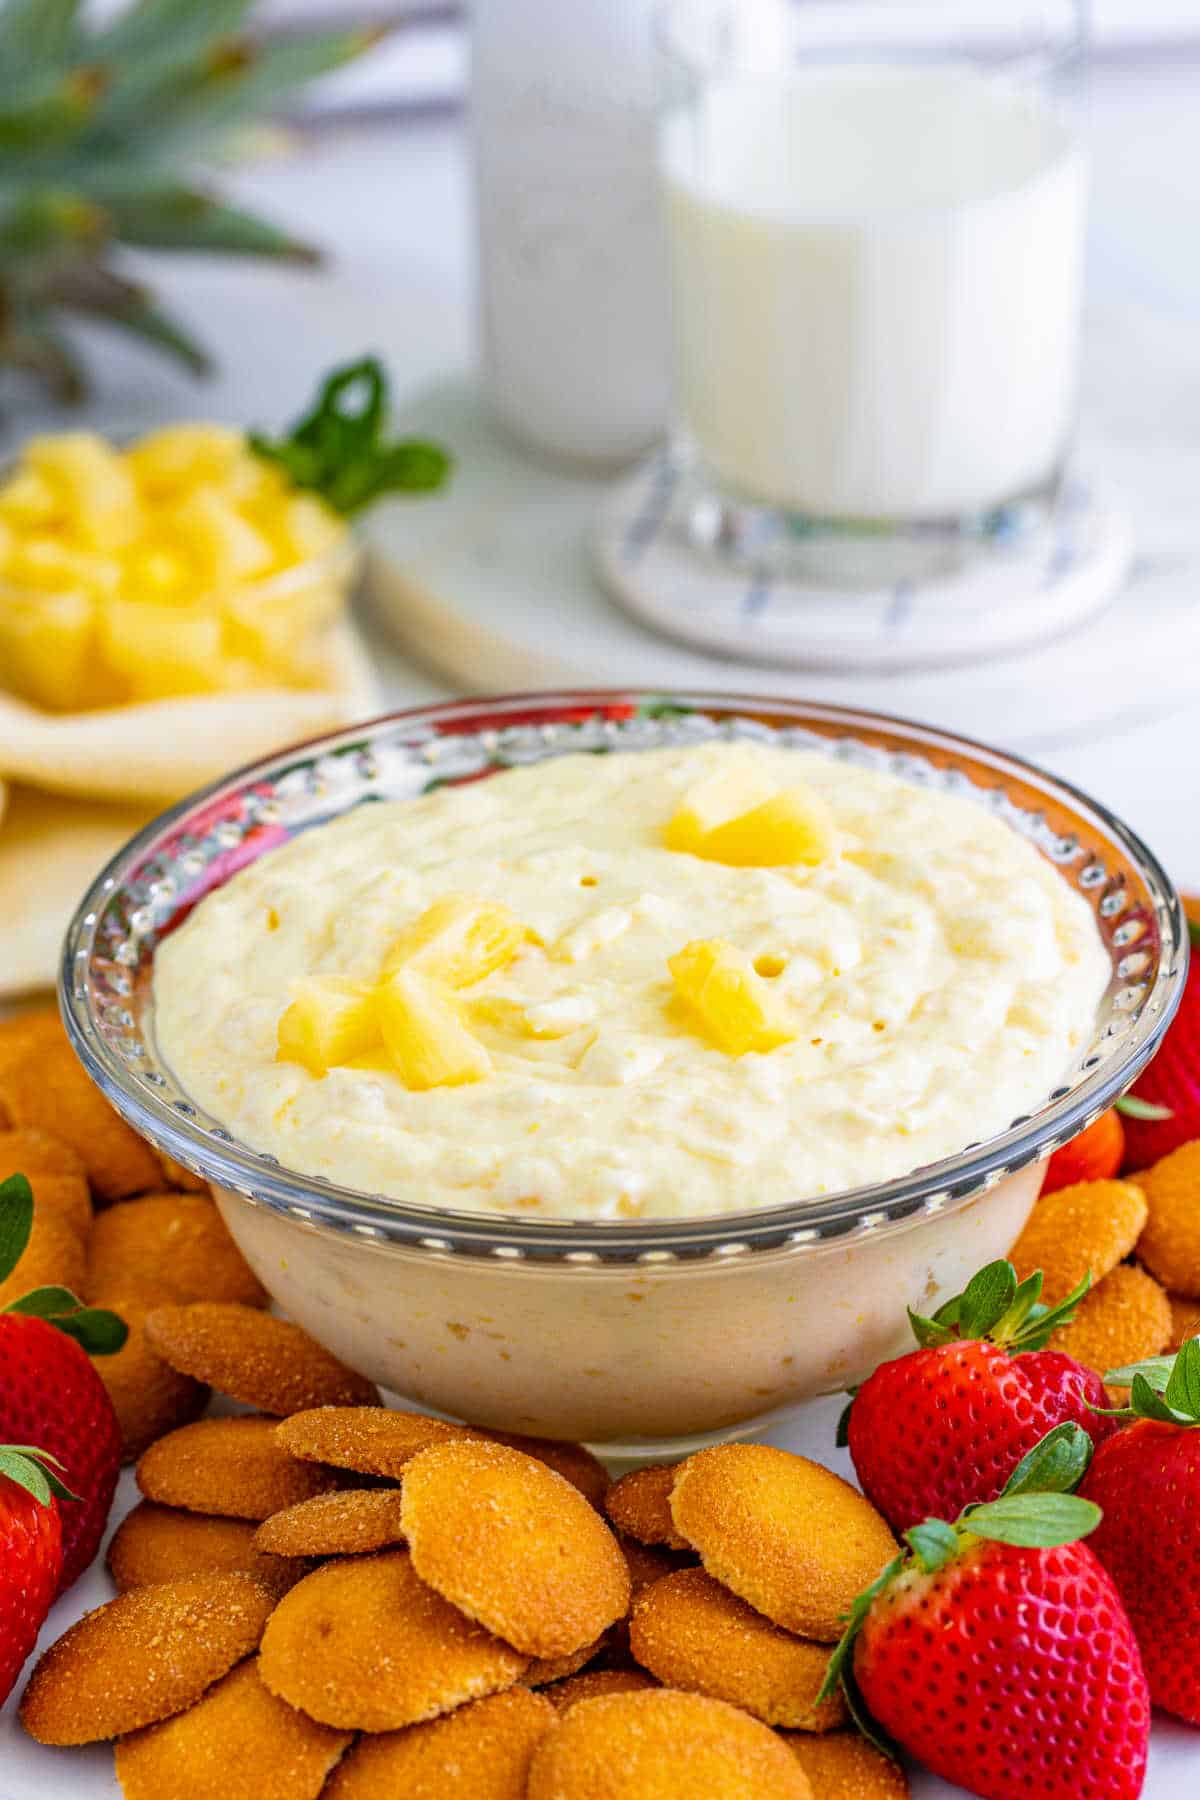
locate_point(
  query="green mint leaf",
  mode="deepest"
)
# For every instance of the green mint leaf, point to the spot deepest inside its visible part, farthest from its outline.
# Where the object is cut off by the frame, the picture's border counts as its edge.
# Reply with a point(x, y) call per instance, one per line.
point(1135, 1108)
point(1044, 1321)
point(1033, 1521)
point(338, 448)
point(1182, 1392)
point(839, 1660)
point(986, 1298)
point(842, 1437)
point(934, 1543)
point(1055, 1465)
point(16, 1222)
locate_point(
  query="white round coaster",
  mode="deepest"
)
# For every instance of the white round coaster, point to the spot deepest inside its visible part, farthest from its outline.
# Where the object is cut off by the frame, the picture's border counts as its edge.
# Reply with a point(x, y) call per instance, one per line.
point(993, 595)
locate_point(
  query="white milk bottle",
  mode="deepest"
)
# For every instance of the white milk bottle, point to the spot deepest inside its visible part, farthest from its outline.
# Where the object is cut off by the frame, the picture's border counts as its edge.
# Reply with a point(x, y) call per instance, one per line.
point(572, 270)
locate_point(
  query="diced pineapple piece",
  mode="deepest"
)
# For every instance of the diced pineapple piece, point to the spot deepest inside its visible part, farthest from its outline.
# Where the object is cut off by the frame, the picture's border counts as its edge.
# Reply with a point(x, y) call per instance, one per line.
point(207, 525)
point(28, 502)
point(283, 628)
point(259, 487)
point(794, 826)
point(309, 527)
point(97, 492)
point(166, 462)
point(154, 571)
point(458, 940)
point(51, 566)
point(733, 1006)
point(709, 803)
point(329, 1021)
point(159, 650)
point(46, 648)
point(424, 1035)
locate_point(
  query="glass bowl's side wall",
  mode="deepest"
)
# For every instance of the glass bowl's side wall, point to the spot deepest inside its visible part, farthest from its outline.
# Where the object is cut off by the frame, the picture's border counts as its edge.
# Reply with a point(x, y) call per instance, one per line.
point(638, 1360)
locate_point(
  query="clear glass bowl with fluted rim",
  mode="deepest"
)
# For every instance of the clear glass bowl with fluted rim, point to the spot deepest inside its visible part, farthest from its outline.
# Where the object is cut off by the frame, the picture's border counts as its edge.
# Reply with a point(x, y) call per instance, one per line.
point(643, 1337)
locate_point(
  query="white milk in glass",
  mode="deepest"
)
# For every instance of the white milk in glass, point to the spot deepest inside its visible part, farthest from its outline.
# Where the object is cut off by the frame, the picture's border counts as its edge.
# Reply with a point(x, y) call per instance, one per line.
point(876, 276)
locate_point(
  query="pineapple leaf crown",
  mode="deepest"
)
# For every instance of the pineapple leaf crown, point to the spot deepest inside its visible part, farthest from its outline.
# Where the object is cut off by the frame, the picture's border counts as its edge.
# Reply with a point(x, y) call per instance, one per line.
point(101, 128)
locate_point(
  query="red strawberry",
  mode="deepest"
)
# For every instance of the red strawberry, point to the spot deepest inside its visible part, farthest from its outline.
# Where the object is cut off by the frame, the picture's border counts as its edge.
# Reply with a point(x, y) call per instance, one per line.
point(948, 1423)
point(30, 1554)
point(49, 1392)
point(1095, 1155)
point(1147, 1480)
point(997, 1651)
point(1170, 1086)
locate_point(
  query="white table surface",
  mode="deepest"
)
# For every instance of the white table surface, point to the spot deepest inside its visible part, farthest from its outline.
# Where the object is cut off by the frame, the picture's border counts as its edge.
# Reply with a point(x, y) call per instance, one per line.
point(390, 201)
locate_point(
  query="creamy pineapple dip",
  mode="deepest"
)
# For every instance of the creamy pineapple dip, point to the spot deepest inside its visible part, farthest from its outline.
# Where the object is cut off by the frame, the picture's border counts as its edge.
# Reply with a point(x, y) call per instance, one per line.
point(936, 976)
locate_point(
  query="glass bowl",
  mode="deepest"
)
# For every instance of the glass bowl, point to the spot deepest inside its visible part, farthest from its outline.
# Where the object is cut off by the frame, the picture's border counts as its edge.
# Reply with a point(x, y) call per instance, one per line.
point(646, 1337)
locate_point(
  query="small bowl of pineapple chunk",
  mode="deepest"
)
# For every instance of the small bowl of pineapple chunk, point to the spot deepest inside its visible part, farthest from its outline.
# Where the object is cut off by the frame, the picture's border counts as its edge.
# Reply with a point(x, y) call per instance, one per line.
point(183, 563)
point(200, 559)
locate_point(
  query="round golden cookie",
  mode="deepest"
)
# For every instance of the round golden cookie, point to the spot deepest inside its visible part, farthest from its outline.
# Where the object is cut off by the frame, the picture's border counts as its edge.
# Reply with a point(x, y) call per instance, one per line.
point(481, 1752)
point(365, 1645)
point(793, 1540)
point(594, 1683)
point(513, 1545)
point(24, 1034)
point(176, 1176)
point(543, 1670)
point(1185, 1320)
point(233, 1467)
point(143, 1656)
point(370, 1440)
point(639, 1504)
point(1170, 1243)
point(239, 1742)
point(1123, 1320)
point(47, 1090)
point(347, 1523)
point(149, 1398)
point(53, 1257)
point(54, 1172)
point(648, 1563)
point(161, 1543)
point(662, 1745)
point(1084, 1229)
point(169, 1248)
point(694, 1634)
point(255, 1358)
point(842, 1765)
point(575, 1464)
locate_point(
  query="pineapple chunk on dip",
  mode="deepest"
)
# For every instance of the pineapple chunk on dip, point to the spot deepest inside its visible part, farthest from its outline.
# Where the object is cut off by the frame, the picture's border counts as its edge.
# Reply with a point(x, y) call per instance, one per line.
point(573, 1009)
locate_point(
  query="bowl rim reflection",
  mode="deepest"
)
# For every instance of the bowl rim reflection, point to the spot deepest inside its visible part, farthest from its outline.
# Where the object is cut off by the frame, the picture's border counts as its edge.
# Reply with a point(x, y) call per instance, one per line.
point(108, 954)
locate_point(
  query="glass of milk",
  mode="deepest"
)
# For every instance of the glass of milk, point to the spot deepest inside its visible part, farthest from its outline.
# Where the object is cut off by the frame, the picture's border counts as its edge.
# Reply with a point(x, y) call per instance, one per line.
point(875, 213)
